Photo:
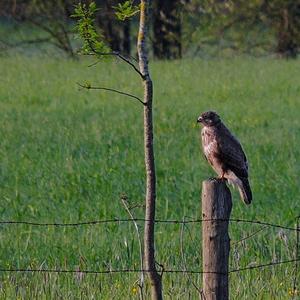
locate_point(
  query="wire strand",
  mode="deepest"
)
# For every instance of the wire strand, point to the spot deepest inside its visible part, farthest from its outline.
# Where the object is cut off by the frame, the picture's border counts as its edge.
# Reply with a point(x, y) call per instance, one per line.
point(111, 271)
point(116, 220)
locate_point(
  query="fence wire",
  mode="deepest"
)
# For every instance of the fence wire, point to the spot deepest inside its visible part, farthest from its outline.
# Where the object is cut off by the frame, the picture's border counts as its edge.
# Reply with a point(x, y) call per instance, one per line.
point(117, 220)
point(112, 271)
point(169, 271)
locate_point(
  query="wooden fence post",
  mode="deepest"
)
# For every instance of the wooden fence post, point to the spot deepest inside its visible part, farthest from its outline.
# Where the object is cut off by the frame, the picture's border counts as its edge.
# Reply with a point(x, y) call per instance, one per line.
point(216, 204)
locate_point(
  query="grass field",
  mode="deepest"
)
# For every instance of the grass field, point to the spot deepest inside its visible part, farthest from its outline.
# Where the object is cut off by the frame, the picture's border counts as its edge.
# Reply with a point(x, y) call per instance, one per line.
point(66, 155)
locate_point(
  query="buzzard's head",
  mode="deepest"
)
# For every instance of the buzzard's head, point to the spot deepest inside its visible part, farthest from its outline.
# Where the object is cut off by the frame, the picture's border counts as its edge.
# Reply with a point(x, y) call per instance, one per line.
point(209, 118)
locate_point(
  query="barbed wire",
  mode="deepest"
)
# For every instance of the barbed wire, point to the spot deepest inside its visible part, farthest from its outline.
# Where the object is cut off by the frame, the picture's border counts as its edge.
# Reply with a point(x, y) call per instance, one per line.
point(112, 271)
point(119, 220)
point(169, 271)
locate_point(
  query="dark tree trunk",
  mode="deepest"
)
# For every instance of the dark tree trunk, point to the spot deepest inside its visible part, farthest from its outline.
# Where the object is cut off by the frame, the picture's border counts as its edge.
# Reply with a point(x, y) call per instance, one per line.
point(286, 47)
point(167, 29)
point(126, 45)
point(116, 33)
point(288, 35)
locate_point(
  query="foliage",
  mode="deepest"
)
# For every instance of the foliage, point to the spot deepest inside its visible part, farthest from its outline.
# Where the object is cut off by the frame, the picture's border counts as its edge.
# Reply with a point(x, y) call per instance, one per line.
point(272, 26)
point(50, 18)
point(126, 10)
point(92, 40)
point(210, 27)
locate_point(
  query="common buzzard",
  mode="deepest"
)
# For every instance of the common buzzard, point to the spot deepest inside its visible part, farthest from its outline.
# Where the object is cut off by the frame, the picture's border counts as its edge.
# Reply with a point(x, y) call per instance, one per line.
point(225, 153)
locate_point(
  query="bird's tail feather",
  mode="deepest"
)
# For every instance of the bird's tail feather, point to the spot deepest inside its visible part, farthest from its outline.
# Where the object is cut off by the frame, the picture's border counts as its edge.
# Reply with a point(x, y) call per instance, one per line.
point(242, 185)
point(245, 190)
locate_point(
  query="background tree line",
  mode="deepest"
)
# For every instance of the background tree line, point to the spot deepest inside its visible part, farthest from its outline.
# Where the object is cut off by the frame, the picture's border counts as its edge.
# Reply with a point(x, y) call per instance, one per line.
point(179, 27)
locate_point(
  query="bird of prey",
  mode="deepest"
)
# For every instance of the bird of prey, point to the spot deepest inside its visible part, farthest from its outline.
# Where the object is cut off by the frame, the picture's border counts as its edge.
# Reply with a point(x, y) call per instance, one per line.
point(225, 153)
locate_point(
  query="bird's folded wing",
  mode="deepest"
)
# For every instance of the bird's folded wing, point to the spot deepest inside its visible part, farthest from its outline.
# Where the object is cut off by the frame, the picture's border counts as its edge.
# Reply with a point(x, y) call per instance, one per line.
point(232, 154)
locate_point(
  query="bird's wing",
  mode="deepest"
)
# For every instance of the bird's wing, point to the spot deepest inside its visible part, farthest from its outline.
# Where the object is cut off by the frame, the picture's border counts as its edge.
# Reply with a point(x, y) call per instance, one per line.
point(231, 153)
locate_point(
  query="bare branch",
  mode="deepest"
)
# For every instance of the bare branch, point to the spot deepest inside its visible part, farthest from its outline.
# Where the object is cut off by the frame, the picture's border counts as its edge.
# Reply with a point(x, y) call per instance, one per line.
point(184, 259)
point(130, 63)
point(94, 63)
point(114, 53)
point(111, 90)
point(297, 250)
point(62, 42)
point(122, 57)
point(68, 44)
point(142, 278)
point(45, 28)
point(34, 41)
point(249, 236)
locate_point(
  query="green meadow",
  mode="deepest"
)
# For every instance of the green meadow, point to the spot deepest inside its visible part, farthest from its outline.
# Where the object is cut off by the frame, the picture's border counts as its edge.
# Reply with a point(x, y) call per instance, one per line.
point(67, 155)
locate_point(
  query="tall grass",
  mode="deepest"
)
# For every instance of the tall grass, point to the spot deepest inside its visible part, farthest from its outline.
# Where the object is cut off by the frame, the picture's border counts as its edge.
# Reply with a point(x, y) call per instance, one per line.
point(68, 154)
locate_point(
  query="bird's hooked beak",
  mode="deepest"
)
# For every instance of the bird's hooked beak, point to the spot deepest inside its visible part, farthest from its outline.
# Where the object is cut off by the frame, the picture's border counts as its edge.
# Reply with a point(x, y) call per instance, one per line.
point(199, 120)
